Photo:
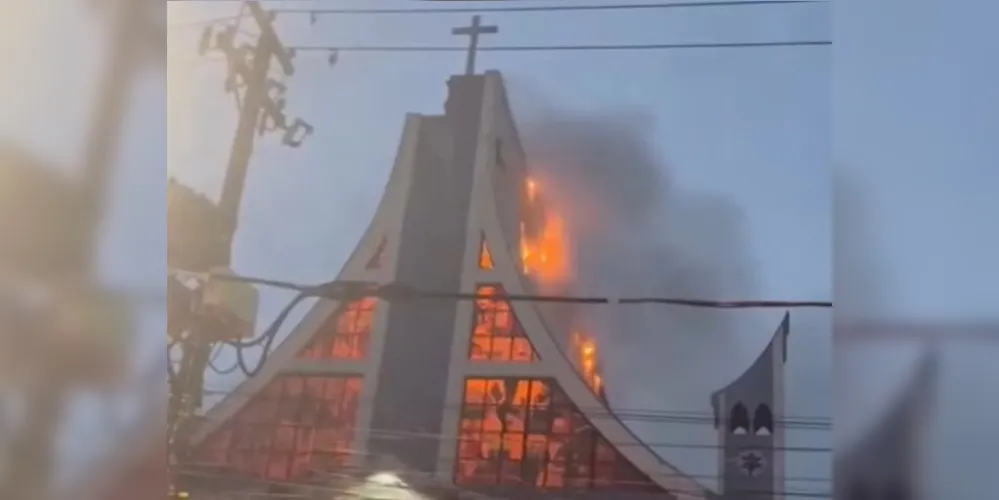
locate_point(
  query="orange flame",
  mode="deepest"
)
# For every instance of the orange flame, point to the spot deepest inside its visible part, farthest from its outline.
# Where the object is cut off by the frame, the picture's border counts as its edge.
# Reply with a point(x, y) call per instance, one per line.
point(586, 350)
point(545, 256)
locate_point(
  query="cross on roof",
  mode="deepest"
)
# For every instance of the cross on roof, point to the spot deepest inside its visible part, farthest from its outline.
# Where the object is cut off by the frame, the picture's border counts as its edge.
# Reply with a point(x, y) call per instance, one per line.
point(473, 33)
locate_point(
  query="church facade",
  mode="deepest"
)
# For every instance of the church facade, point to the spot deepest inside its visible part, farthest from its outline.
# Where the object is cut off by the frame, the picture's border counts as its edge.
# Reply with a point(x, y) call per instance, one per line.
point(472, 397)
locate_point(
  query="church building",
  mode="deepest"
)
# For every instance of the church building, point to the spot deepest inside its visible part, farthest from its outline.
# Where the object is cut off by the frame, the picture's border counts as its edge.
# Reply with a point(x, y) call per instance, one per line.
point(484, 398)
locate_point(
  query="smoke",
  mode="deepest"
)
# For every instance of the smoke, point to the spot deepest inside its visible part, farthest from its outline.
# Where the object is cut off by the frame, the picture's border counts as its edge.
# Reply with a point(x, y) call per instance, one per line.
point(637, 232)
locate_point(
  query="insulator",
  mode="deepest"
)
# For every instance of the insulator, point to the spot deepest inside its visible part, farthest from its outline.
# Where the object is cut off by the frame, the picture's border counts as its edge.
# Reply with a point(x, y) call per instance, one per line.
point(291, 135)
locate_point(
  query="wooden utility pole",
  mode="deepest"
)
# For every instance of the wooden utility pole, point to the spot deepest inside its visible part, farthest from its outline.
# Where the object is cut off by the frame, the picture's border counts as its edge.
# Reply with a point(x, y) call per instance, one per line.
point(257, 105)
point(261, 109)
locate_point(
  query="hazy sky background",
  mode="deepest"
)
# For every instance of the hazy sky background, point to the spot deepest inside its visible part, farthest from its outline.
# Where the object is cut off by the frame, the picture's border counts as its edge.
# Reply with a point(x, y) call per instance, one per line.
point(913, 119)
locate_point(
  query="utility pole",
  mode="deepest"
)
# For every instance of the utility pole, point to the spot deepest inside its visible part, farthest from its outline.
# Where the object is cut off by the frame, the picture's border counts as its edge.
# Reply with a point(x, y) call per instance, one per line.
point(261, 109)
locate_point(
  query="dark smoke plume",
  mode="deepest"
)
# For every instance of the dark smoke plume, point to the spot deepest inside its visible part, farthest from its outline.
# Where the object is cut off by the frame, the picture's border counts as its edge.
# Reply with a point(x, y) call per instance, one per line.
point(637, 233)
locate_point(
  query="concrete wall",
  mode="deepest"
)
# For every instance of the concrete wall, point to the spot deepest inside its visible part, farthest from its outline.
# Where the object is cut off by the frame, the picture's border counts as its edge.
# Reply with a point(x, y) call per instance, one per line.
point(412, 378)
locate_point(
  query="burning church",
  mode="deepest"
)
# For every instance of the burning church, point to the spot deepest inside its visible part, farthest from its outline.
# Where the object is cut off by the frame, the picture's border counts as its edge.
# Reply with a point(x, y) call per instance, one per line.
point(486, 398)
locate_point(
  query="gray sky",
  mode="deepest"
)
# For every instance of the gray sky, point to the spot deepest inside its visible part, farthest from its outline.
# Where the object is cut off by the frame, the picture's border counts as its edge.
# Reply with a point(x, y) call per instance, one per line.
point(914, 110)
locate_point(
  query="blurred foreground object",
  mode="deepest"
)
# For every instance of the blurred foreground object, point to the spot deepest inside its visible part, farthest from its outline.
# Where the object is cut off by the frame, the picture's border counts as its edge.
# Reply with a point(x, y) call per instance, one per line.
point(60, 329)
point(52, 316)
point(43, 217)
point(885, 462)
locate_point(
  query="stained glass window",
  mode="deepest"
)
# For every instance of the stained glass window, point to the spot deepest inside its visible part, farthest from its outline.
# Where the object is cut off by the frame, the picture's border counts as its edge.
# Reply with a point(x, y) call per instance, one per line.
point(294, 428)
point(497, 334)
point(526, 432)
point(346, 335)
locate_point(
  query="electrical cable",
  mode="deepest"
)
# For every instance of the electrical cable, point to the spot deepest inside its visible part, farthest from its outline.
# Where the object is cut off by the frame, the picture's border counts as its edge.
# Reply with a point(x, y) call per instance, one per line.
point(552, 48)
point(638, 414)
point(705, 415)
point(313, 13)
point(352, 290)
point(267, 338)
point(342, 290)
point(211, 363)
point(375, 431)
point(318, 488)
point(331, 49)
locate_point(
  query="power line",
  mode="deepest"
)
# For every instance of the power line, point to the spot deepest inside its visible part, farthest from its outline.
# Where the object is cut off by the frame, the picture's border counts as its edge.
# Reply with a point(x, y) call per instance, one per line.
point(350, 290)
point(331, 51)
point(661, 417)
point(552, 48)
point(374, 431)
point(430, 476)
point(703, 416)
point(354, 290)
point(314, 13)
point(645, 414)
point(552, 8)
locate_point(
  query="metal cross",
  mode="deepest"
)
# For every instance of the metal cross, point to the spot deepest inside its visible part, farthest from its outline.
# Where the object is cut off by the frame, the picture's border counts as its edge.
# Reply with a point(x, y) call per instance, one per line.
point(473, 33)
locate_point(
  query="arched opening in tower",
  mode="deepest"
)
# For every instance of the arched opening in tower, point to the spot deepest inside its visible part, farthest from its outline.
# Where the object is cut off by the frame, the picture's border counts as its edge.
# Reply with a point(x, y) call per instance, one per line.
point(738, 422)
point(763, 421)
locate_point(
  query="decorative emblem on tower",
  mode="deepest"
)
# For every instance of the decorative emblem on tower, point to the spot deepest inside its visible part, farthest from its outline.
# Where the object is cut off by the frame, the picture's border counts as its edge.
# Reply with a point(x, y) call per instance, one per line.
point(752, 463)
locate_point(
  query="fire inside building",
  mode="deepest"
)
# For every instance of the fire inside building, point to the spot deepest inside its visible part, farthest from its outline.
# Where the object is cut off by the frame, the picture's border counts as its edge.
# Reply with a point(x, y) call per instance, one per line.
point(485, 398)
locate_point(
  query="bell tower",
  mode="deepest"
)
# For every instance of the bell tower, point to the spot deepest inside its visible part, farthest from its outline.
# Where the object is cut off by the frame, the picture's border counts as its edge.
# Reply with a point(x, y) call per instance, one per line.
point(748, 416)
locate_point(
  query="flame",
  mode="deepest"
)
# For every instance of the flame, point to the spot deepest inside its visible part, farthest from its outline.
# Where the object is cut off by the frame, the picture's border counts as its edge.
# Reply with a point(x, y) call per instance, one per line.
point(545, 257)
point(586, 350)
